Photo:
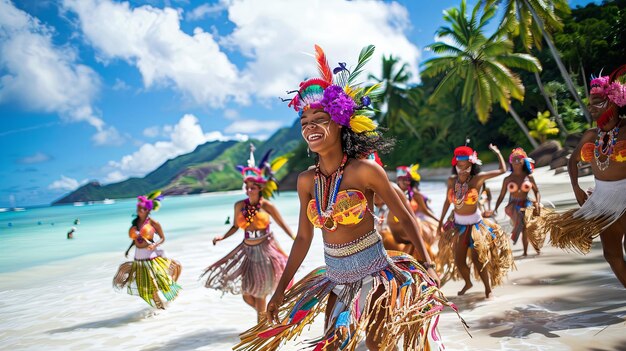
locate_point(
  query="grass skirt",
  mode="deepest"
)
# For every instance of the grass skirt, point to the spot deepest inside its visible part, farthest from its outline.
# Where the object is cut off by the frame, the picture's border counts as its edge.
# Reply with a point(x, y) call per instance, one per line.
point(575, 229)
point(248, 269)
point(489, 241)
point(362, 275)
point(150, 276)
point(524, 218)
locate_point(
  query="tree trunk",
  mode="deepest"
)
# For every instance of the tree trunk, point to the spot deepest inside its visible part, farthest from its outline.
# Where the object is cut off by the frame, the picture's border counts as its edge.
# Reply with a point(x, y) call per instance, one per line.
point(582, 73)
point(523, 127)
point(550, 106)
point(559, 63)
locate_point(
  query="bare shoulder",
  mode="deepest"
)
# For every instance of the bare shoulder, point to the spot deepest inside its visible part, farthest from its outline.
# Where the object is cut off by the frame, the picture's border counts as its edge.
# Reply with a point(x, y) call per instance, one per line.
point(267, 204)
point(363, 166)
point(589, 134)
point(451, 180)
point(154, 222)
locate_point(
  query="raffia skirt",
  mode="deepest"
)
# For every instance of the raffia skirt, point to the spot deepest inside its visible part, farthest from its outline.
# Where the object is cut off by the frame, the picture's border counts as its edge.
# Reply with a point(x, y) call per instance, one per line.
point(524, 218)
point(248, 269)
point(487, 238)
point(367, 281)
point(575, 229)
point(151, 275)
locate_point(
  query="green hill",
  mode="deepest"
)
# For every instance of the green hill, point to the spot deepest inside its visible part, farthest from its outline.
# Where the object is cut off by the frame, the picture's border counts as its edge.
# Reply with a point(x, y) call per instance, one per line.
point(210, 167)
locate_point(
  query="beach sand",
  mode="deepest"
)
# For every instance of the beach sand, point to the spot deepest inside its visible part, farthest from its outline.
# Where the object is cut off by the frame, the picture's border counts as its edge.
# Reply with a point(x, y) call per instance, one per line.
point(555, 301)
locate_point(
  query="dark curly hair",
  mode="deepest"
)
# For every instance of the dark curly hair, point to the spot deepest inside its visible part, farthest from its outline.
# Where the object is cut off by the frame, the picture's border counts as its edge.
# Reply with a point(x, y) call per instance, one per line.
point(360, 145)
point(474, 171)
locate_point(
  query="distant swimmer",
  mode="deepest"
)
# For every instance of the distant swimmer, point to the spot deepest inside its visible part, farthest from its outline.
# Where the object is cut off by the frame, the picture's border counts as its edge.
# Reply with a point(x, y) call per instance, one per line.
point(70, 234)
point(76, 221)
point(227, 220)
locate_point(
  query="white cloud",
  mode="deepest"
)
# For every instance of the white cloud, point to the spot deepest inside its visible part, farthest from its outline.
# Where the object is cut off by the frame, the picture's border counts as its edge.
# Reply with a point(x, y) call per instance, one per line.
point(66, 184)
point(276, 35)
point(231, 114)
point(120, 85)
point(152, 132)
point(183, 138)
point(108, 136)
point(152, 40)
point(206, 10)
point(38, 157)
point(252, 126)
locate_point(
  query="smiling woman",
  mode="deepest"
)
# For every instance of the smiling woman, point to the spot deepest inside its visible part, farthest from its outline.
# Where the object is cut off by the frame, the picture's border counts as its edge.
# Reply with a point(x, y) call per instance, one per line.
point(363, 289)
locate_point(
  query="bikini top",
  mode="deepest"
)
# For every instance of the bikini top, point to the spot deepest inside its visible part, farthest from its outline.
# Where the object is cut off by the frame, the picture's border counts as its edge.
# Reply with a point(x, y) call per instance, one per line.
point(471, 197)
point(618, 155)
point(526, 186)
point(414, 205)
point(350, 208)
point(145, 233)
point(261, 220)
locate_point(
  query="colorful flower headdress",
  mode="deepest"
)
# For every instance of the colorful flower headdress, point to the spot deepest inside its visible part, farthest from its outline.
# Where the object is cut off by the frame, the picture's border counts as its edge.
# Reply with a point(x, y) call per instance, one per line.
point(466, 153)
point(338, 94)
point(408, 172)
point(264, 173)
point(611, 88)
point(151, 201)
point(529, 163)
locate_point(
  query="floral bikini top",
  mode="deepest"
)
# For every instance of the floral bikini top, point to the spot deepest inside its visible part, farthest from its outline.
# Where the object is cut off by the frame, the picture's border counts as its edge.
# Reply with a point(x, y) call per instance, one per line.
point(526, 186)
point(618, 154)
point(350, 208)
point(261, 220)
point(471, 197)
point(145, 233)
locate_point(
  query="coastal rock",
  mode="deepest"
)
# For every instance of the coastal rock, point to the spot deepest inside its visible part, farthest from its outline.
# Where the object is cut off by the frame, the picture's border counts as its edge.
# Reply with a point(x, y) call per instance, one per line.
point(544, 153)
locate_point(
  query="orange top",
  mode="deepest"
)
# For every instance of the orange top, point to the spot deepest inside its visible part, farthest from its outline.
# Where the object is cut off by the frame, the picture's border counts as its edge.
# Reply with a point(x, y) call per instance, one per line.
point(261, 220)
point(146, 232)
point(350, 208)
point(618, 155)
point(414, 205)
point(471, 197)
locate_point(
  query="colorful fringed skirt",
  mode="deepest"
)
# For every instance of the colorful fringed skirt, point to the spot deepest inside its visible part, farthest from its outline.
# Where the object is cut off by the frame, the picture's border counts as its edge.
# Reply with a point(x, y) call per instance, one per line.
point(248, 269)
point(367, 282)
point(151, 275)
point(473, 232)
point(575, 229)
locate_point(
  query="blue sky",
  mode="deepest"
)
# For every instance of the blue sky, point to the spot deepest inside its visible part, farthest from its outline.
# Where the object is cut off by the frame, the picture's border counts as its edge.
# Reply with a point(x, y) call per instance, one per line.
point(103, 90)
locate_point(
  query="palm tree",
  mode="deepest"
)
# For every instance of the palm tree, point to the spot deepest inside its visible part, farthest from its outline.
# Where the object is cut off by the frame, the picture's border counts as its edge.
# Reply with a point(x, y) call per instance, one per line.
point(479, 63)
point(394, 102)
point(532, 21)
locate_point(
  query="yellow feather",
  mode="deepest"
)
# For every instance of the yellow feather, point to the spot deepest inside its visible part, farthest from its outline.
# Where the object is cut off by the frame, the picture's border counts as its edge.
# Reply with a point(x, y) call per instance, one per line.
point(372, 88)
point(278, 163)
point(360, 124)
point(413, 170)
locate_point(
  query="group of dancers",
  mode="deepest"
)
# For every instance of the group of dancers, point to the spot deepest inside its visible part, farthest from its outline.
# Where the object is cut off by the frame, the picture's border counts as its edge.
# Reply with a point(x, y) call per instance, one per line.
point(386, 252)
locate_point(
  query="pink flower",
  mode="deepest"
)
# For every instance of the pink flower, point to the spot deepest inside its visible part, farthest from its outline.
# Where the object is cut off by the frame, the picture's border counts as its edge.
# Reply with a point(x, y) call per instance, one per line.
point(616, 92)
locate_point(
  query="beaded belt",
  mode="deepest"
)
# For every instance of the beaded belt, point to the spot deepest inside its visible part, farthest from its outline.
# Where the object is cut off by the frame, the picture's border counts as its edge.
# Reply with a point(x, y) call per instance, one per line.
point(353, 261)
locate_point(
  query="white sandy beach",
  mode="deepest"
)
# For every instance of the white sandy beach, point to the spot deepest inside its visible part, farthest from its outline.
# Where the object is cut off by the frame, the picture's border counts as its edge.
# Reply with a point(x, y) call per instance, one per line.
point(556, 301)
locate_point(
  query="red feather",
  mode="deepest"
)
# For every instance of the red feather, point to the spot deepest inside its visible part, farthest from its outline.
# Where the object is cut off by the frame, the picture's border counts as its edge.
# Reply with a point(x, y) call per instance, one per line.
point(620, 71)
point(322, 64)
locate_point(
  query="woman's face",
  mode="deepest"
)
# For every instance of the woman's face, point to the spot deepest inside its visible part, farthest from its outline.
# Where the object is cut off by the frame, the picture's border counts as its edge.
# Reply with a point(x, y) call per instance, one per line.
point(404, 183)
point(597, 106)
point(142, 211)
point(463, 168)
point(318, 130)
point(252, 189)
point(517, 163)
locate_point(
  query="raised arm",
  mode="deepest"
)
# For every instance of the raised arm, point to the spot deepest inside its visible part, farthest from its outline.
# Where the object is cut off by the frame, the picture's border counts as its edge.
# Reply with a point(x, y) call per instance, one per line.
point(492, 174)
point(299, 249)
point(232, 230)
point(376, 180)
point(273, 211)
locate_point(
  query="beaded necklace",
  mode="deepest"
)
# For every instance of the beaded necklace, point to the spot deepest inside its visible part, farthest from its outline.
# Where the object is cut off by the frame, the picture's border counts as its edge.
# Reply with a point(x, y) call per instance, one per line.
point(326, 190)
point(460, 191)
point(140, 238)
point(249, 211)
point(605, 150)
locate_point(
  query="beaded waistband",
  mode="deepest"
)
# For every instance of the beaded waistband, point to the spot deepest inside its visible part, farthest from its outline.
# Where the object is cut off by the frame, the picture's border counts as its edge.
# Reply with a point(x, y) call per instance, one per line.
point(352, 247)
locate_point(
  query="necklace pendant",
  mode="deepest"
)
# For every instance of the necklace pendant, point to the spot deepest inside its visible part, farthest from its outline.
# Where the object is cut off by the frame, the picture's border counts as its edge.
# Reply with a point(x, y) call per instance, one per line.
point(330, 224)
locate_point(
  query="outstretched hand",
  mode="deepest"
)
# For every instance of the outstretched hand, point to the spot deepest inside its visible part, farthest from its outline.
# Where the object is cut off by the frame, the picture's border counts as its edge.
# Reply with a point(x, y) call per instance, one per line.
point(274, 306)
point(494, 148)
point(217, 238)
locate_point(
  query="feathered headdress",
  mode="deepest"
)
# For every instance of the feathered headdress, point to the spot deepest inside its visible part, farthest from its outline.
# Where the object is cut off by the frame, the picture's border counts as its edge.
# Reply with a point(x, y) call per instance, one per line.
point(264, 173)
point(338, 94)
point(529, 163)
point(408, 172)
point(465, 153)
point(611, 88)
point(151, 201)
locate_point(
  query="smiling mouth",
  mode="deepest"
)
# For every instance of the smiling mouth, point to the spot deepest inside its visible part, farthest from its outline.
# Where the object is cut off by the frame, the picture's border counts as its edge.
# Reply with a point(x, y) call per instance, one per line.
point(314, 137)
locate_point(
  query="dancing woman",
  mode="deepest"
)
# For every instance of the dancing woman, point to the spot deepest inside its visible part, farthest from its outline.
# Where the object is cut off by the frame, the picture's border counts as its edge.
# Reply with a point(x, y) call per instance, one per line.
point(151, 275)
point(524, 213)
point(362, 289)
point(408, 179)
point(254, 267)
point(603, 212)
point(466, 229)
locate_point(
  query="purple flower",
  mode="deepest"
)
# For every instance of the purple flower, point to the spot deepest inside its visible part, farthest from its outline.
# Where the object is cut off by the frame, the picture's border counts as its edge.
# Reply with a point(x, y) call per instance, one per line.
point(338, 105)
point(342, 67)
point(366, 101)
